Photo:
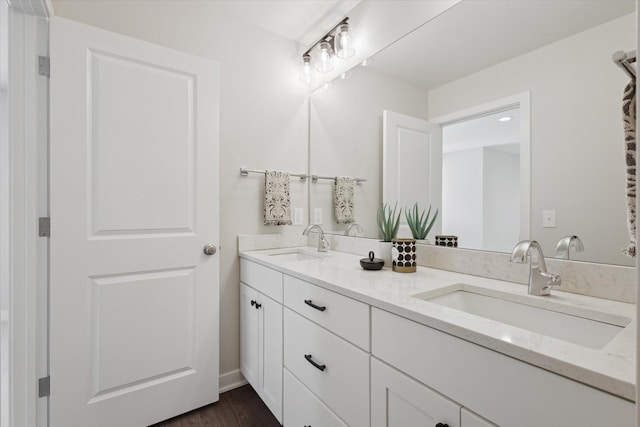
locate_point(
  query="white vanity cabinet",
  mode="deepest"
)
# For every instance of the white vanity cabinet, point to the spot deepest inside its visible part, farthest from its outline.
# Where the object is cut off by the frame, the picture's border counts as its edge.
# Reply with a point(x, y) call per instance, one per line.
point(261, 332)
point(501, 389)
point(326, 342)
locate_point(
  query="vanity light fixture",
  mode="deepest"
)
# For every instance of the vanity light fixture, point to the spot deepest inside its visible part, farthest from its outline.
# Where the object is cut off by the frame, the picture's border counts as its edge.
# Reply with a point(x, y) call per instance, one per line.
point(504, 119)
point(338, 42)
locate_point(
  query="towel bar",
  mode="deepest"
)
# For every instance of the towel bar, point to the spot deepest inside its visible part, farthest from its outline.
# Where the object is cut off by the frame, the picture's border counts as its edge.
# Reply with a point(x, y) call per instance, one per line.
point(245, 172)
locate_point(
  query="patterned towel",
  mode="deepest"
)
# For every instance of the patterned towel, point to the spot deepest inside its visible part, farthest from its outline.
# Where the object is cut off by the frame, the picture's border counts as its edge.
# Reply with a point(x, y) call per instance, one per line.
point(343, 199)
point(277, 206)
point(629, 119)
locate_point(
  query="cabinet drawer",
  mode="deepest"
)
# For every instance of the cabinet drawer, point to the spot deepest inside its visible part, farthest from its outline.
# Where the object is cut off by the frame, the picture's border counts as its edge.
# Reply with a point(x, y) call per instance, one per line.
point(483, 380)
point(262, 279)
point(344, 316)
point(302, 408)
point(341, 379)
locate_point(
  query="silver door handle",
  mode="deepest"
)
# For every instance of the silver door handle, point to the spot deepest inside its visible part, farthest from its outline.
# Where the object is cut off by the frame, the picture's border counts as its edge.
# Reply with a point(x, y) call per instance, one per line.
point(209, 249)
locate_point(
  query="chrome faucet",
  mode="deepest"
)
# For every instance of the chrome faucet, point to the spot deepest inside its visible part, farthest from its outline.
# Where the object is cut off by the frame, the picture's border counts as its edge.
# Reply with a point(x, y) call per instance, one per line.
point(562, 250)
point(323, 244)
point(355, 225)
point(540, 281)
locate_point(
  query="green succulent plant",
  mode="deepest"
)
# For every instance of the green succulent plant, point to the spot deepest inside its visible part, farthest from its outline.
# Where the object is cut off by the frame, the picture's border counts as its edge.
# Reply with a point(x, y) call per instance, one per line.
point(419, 222)
point(388, 221)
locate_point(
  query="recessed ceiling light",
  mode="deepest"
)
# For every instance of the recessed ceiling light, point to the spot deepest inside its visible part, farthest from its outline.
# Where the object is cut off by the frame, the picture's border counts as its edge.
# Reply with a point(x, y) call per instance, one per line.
point(367, 62)
point(504, 119)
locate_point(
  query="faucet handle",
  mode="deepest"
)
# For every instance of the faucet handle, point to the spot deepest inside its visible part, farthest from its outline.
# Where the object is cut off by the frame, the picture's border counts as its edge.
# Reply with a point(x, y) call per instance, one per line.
point(553, 280)
point(323, 244)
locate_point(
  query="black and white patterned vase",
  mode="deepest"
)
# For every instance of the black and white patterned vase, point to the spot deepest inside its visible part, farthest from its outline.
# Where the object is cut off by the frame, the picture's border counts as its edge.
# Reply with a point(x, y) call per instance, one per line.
point(449, 241)
point(403, 255)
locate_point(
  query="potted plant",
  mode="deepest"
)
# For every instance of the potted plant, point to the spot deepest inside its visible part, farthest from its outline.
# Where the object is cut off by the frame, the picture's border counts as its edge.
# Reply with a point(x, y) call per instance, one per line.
point(388, 221)
point(418, 222)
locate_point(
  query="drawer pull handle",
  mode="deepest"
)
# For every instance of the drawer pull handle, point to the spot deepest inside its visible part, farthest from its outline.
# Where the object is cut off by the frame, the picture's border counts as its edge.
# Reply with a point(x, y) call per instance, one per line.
point(442, 425)
point(310, 360)
point(311, 304)
point(258, 305)
point(253, 302)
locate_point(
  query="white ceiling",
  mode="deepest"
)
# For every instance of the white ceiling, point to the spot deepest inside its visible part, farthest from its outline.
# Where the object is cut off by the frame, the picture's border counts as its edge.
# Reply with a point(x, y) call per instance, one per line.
point(484, 131)
point(474, 35)
point(302, 21)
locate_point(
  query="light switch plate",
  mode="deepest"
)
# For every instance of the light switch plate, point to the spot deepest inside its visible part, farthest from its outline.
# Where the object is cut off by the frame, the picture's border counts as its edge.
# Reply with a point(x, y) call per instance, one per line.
point(298, 214)
point(549, 219)
point(317, 216)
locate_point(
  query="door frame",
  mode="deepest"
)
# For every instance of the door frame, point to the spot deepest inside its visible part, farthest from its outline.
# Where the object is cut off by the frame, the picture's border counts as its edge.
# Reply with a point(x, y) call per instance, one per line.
point(523, 102)
point(24, 198)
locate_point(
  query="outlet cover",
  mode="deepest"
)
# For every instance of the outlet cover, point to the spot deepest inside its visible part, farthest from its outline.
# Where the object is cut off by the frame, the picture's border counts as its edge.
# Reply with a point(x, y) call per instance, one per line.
point(317, 216)
point(549, 219)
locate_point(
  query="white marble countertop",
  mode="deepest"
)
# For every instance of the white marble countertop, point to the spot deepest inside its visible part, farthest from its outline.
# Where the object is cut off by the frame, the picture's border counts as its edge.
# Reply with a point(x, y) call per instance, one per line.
point(611, 368)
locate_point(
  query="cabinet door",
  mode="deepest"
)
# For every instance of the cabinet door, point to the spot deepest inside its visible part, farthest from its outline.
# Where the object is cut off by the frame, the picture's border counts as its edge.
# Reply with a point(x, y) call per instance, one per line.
point(302, 408)
point(270, 354)
point(470, 419)
point(398, 401)
point(249, 327)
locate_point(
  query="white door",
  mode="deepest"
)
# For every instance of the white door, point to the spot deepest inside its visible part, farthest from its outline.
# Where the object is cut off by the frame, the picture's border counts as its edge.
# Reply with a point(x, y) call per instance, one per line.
point(411, 165)
point(134, 199)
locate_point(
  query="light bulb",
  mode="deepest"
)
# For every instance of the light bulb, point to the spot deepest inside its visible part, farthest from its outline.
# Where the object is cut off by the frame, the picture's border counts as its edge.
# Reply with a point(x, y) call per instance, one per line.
point(307, 76)
point(344, 42)
point(324, 57)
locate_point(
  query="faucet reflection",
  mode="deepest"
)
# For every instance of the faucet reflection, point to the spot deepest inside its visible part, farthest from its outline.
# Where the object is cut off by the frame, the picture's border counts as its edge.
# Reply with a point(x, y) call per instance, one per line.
point(540, 281)
point(562, 250)
point(355, 225)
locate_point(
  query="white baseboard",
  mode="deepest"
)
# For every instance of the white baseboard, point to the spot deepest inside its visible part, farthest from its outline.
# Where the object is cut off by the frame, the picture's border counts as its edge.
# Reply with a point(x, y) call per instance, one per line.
point(230, 380)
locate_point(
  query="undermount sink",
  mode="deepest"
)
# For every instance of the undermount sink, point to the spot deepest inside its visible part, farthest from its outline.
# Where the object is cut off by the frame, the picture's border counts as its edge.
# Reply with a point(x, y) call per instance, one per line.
point(577, 325)
point(299, 254)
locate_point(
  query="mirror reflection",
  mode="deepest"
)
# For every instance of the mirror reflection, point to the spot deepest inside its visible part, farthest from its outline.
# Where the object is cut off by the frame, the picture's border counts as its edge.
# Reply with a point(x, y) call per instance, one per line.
point(571, 176)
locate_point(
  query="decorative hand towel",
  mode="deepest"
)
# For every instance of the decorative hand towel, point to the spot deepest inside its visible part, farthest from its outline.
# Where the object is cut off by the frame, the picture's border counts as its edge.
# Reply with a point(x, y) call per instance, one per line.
point(277, 206)
point(629, 119)
point(343, 199)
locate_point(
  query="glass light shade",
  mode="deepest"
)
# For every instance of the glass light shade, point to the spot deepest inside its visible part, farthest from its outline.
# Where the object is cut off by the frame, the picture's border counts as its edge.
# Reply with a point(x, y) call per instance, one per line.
point(344, 42)
point(307, 76)
point(324, 57)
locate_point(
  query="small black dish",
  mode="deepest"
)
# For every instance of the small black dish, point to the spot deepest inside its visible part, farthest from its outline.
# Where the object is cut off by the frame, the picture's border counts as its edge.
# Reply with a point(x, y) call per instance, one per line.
point(372, 263)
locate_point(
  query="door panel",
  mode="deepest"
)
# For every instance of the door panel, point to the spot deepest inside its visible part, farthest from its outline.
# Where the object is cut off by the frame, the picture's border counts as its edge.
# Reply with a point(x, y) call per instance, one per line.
point(134, 199)
point(151, 140)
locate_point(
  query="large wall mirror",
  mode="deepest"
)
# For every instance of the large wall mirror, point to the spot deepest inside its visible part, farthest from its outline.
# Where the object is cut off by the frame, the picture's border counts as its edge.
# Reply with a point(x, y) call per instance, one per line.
point(473, 55)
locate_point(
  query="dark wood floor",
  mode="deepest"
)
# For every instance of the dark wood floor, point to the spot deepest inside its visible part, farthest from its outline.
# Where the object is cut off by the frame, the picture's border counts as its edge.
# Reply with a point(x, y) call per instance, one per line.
point(239, 407)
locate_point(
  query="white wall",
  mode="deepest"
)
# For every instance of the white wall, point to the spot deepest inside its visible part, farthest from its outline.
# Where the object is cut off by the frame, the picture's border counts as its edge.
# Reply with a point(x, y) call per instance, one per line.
point(263, 116)
point(576, 94)
point(353, 146)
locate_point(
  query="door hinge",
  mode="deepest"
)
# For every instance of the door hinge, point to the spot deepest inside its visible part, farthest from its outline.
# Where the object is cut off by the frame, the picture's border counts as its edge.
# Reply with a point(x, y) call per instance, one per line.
point(44, 66)
point(44, 386)
point(44, 227)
